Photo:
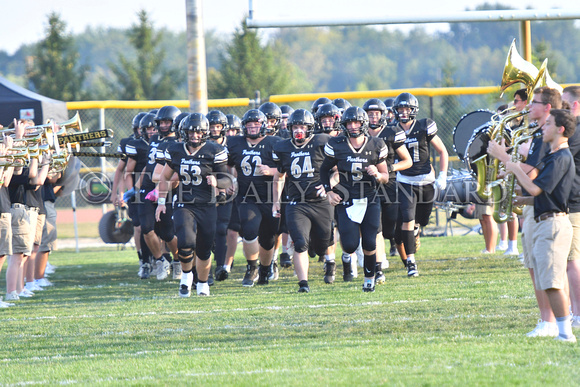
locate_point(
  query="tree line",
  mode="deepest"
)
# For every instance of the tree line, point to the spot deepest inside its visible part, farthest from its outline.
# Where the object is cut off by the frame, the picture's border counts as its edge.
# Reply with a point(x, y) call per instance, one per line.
point(144, 62)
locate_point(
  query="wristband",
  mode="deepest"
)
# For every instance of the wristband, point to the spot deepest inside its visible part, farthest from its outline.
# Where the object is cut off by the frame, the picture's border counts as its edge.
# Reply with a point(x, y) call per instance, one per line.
point(161, 201)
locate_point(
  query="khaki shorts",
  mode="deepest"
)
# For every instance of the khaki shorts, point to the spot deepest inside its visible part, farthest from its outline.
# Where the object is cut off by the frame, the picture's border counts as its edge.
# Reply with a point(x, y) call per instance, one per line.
point(528, 235)
point(5, 234)
point(48, 242)
point(552, 239)
point(575, 248)
point(22, 231)
point(482, 209)
point(39, 226)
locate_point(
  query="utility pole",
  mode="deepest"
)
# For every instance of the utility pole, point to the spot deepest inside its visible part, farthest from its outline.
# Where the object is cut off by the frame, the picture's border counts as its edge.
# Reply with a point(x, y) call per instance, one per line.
point(196, 67)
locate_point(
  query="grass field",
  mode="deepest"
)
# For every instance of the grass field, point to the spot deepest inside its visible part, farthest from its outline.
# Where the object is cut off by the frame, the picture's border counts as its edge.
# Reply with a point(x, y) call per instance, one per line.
point(462, 322)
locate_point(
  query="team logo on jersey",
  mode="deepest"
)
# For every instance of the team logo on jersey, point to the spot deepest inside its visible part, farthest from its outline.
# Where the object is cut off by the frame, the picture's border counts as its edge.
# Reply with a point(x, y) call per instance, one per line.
point(190, 162)
point(251, 152)
point(299, 154)
point(357, 159)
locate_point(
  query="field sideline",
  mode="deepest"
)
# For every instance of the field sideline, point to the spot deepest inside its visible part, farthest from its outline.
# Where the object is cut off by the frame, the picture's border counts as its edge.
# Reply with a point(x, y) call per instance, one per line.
point(461, 322)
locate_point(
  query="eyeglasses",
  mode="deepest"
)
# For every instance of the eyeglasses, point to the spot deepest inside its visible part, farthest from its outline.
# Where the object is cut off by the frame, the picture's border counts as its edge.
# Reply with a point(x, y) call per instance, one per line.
point(536, 102)
point(517, 100)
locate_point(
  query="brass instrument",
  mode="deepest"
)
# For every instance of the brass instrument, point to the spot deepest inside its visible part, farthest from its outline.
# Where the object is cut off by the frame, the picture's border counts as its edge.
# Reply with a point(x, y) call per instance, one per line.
point(503, 190)
point(517, 69)
point(486, 167)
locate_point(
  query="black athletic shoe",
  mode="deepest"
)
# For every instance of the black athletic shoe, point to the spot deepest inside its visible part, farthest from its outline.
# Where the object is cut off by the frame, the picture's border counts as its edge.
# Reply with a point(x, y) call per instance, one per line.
point(146, 271)
point(184, 291)
point(393, 251)
point(251, 276)
point(347, 271)
point(263, 275)
point(285, 260)
point(330, 272)
point(412, 269)
point(210, 280)
point(303, 287)
point(221, 274)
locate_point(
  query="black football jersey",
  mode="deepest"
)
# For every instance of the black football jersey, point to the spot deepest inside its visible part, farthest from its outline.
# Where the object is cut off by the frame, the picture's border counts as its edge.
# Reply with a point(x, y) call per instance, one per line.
point(193, 170)
point(302, 166)
point(152, 160)
point(354, 181)
point(138, 150)
point(394, 136)
point(253, 186)
point(418, 144)
point(122, 147)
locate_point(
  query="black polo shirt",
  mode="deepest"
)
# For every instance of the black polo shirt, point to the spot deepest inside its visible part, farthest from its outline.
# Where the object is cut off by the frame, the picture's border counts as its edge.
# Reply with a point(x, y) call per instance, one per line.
point(4, 200)
point(574, 143)
point(555, 178)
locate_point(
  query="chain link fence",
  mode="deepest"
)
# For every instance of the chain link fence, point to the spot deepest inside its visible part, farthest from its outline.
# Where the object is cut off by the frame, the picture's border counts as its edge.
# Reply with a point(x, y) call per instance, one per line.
point(446, 108)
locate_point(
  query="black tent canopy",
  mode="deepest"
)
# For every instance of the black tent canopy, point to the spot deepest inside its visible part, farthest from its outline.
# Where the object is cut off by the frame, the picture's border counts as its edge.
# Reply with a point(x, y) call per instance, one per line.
point(18, 102)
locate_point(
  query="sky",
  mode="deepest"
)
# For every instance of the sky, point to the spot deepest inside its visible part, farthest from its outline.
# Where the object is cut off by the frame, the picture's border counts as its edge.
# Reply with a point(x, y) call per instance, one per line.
point(25, 21)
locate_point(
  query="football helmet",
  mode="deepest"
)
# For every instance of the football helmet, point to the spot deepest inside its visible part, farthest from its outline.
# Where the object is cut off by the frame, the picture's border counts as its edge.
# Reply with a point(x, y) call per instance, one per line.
point(166, 113)
point(406, 100)
point(147, 121)
point(254, 115)
point(234, 123)
point(286, 111)
point(272, 111)
point(177, 121)
point(352, 114)
point(216, 117)
point(316, 104)
point(376, 104)
point(327, 110)
point(342, 104)
point(301, 117)
point(135, 123)
point(195, 122)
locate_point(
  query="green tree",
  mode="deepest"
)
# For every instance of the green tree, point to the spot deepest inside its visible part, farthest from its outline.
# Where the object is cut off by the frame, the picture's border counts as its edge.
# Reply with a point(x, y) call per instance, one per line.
point(144, 77)
point(54, 69)
point(247, 66)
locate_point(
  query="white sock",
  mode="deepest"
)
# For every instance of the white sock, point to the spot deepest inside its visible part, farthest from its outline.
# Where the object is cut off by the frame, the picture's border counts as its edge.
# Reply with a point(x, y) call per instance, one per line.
point(513, 245)
point(564, 326)
point(275, 257)
point(329, 257)
point(227, 268)
point(187, 279)
point(411, 258)
point(345, 257)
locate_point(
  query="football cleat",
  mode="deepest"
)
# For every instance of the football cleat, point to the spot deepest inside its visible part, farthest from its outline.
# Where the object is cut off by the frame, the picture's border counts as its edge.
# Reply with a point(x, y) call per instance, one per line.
point(329, 272)
point(250, 277)
point(273, 271)
point(285, 260)
point(379, 277)
point(347, 271)
point(221, 274)
point(263, 275)
point(412, 269)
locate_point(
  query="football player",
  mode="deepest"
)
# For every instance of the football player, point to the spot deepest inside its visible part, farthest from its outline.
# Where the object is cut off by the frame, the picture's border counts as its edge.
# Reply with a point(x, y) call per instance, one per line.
point(152, 230)
point(394, 137)
point(308, 213)
point(201, 166)
point(123, 180)
point(138, 154)
point(416, 184)
point(250, 159)
point(217, 128)
point(361, 163)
